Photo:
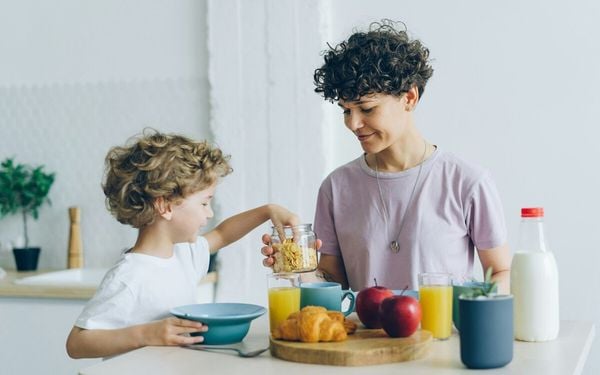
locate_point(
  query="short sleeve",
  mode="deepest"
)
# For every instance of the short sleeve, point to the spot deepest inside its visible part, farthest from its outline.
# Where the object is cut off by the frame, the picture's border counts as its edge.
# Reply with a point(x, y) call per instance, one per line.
point(485, 216)
point(110, 308)
point(324, 221)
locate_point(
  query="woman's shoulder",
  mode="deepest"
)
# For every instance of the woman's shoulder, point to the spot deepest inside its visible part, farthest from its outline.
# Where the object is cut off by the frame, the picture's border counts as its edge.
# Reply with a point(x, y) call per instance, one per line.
point(346, 170)
point(452, 164)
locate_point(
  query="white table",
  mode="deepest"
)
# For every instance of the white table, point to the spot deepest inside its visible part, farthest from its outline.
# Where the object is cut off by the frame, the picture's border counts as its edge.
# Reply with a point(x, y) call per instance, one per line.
point(565, 355)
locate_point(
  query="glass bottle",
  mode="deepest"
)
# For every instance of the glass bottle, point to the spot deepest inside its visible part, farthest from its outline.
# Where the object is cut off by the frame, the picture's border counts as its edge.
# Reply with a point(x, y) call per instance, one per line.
point(297, 252)
point(534, 281)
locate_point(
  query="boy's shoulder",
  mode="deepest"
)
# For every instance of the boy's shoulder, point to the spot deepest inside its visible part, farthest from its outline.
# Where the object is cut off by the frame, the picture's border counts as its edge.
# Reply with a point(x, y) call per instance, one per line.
point(127, 270)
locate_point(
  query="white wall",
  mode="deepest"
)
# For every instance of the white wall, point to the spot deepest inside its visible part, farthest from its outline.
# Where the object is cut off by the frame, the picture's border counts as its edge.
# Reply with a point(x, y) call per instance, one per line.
point(515, 89)
point(264, 111)
point(76, 80)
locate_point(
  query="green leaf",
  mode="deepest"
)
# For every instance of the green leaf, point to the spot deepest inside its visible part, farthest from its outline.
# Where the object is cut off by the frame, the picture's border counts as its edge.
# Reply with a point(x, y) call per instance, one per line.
point(23, 188)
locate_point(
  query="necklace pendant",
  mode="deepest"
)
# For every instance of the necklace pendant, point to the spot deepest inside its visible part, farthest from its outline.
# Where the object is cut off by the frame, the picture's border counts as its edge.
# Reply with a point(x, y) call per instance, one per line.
point(395, 247)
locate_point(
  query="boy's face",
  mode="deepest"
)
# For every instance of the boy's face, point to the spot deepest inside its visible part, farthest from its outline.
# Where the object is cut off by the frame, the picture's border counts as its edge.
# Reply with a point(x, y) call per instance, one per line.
point(192, 214)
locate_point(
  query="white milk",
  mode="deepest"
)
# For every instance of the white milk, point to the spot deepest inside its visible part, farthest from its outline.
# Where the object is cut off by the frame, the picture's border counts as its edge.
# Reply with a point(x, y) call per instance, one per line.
point(534, 285)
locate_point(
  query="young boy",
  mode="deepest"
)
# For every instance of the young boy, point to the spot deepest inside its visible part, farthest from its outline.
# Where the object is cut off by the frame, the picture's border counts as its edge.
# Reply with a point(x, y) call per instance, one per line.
point(161, 184)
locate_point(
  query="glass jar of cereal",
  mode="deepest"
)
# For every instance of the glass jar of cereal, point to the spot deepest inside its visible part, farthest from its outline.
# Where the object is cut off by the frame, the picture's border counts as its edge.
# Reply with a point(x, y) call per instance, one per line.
point(297, 252)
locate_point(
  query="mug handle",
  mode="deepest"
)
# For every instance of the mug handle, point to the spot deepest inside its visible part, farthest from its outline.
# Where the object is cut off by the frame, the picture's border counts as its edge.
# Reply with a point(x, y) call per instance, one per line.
point(351, 297)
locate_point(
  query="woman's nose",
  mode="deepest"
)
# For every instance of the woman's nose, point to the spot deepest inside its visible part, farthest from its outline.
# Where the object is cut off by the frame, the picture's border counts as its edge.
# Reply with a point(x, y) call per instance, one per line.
point(353, 122)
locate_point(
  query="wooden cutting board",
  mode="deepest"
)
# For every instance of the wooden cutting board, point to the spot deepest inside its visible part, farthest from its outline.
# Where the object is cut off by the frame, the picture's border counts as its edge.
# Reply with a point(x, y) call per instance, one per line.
point(364, 347)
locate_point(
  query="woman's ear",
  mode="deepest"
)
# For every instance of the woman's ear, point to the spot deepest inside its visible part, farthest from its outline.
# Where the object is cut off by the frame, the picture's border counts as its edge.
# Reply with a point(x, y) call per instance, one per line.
point(163, 207)
point(412, 98)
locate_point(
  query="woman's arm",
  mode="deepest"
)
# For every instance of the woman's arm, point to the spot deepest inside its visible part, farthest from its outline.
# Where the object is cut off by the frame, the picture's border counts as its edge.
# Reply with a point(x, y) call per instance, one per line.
point(499, 259)
point(237, 226)
point(93, 343)
point(331, 268)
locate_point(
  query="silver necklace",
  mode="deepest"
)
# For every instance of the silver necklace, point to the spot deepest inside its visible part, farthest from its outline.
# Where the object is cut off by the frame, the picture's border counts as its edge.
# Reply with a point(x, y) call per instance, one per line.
point(394, 245)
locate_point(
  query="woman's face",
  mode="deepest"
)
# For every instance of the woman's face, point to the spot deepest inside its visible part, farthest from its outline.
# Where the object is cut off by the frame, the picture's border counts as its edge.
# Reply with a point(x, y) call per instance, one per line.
point(192, 214)
point(377, 120)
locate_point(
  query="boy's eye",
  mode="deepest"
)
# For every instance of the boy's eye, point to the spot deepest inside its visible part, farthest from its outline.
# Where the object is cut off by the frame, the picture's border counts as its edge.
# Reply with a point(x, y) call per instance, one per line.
point(346, 111)
point(367, 110)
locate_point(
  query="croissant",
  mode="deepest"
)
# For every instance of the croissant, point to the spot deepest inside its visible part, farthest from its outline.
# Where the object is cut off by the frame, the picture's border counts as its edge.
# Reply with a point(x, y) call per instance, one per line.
point(312, 324)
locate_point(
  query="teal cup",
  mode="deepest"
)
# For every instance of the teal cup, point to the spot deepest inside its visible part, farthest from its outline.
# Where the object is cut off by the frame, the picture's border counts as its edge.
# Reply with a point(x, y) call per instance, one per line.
point(327, 294)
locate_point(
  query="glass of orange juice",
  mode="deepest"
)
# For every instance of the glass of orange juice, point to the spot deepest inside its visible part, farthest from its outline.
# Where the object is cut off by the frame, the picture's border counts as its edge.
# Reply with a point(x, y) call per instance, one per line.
point(284, 296)
point(435, 297)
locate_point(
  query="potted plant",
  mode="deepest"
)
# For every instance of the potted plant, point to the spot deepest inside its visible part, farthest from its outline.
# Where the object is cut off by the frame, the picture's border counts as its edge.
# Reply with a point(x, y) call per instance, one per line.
point(486, 326)
point(24, 189)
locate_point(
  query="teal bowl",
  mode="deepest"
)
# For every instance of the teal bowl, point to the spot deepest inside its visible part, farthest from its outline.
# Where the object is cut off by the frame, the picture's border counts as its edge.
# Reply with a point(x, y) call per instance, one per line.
point(227, 323)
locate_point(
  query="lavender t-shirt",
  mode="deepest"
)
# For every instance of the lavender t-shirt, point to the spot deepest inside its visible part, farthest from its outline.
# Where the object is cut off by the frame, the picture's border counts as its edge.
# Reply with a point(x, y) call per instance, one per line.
point(455, 207)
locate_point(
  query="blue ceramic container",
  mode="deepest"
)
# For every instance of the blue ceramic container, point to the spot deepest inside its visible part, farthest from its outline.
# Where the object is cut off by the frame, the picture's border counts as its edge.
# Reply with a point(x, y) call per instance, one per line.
point(227, 323)
point(486, 331)
point(457, 290)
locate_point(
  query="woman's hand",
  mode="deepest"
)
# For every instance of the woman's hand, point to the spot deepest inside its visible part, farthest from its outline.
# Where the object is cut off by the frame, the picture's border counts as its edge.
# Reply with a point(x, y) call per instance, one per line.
point(268, 250)
point(173, 331)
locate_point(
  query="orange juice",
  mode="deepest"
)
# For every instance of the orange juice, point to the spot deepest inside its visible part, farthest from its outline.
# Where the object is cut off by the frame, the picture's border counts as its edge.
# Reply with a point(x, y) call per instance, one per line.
point(282, 302)
point(436, 307)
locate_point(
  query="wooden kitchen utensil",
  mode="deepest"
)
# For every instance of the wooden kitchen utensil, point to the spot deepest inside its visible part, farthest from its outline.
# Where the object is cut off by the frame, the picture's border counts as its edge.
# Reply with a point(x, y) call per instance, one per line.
point(364, 347)
point(75, 256)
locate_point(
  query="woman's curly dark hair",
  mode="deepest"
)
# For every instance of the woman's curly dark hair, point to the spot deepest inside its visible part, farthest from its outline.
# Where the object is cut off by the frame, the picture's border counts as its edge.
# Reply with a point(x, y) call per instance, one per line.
point(381, 60)
point(157, 165)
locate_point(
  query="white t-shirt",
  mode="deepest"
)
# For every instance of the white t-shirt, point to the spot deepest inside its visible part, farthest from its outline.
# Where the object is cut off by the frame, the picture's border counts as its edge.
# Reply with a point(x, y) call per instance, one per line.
point(142, 288)
point(455, 208)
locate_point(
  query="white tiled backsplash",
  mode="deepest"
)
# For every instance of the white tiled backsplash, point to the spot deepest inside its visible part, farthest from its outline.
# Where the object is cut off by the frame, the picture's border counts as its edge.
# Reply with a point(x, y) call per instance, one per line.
point(69, 129)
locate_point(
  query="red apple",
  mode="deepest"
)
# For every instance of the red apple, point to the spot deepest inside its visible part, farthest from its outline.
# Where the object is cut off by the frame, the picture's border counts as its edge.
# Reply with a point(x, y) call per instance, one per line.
point(400, 315)
point(367, 305)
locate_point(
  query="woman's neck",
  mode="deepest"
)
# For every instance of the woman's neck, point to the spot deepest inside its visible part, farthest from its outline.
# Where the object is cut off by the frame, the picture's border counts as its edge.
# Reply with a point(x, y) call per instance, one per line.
point(401, 156)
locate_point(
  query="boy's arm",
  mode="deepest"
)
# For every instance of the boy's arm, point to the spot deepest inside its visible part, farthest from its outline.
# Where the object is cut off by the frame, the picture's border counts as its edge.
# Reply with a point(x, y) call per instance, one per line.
point(93, 343)
point(237, 226)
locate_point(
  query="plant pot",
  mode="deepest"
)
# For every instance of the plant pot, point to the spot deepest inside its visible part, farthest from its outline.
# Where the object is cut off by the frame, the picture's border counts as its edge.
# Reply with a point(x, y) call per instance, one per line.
point(27, 258)
point(486, 331)
point(467, 287)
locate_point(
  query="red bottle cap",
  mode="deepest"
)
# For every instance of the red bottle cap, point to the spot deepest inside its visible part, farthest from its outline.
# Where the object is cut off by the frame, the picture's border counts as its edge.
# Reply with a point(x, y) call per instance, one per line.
point(532, 212)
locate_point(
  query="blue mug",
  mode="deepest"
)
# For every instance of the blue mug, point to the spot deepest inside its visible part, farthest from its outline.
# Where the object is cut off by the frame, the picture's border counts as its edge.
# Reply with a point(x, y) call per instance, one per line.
point(327, 294)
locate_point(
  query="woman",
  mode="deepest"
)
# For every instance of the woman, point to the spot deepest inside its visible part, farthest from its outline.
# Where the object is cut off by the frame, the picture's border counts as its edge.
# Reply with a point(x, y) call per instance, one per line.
point(405, 206)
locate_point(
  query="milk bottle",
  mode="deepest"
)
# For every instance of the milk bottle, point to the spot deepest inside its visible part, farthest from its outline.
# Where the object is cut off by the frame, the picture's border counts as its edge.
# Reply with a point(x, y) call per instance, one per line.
point(534, 281)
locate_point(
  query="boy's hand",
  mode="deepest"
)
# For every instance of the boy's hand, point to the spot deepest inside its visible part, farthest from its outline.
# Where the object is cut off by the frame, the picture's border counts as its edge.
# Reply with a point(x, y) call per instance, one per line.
point(281, 217)
point(172, 331)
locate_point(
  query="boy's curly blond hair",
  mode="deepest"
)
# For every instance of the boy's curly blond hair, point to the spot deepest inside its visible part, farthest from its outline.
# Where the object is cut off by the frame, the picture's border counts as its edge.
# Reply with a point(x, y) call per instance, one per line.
point(157, 165)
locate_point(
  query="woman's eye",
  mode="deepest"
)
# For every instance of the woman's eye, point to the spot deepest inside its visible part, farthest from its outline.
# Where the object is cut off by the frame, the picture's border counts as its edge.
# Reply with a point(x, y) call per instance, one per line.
point(346, 111)
point(367, 110)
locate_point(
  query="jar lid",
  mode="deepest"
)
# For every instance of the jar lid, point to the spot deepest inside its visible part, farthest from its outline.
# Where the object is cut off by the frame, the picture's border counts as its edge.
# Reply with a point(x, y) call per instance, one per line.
point(305, 227)
point(532, 212)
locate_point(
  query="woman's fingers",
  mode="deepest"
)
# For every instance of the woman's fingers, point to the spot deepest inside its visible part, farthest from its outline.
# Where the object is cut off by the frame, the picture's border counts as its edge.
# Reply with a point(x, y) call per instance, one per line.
point(268, 262)
point(318, 244)
point(266, 250)
point(266, 239)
